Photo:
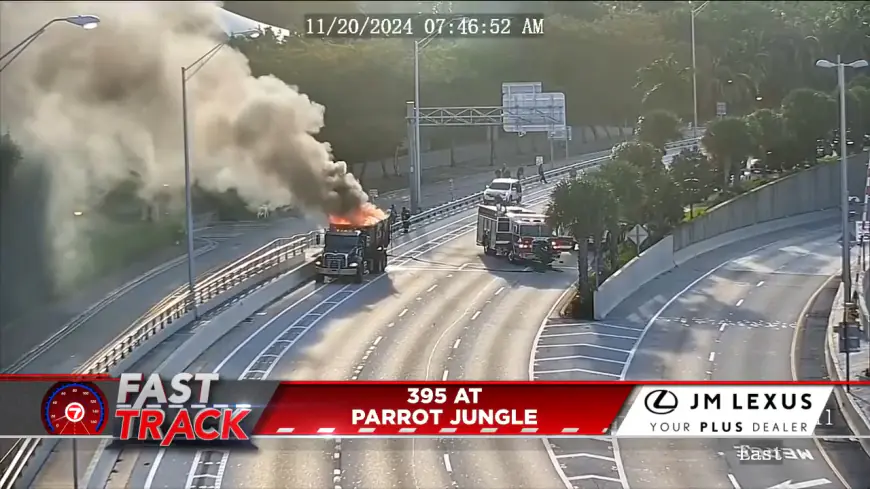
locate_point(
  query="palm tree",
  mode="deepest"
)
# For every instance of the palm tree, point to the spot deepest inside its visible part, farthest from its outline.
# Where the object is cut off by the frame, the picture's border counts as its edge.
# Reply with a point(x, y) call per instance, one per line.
point(626, 185)
point(729, 142)
point(663, 85)
point(583, 207)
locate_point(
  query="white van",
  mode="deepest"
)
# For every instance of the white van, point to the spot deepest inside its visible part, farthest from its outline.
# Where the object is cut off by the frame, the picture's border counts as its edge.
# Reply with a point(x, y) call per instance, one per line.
point(509, 189)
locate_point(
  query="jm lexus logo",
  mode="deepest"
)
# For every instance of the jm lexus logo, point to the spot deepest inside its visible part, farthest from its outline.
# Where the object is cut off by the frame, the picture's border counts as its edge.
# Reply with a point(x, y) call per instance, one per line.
point(661, 401)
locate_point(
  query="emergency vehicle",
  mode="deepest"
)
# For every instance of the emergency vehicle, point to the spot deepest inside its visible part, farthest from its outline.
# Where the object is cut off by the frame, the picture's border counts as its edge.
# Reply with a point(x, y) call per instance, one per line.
point(518, 233)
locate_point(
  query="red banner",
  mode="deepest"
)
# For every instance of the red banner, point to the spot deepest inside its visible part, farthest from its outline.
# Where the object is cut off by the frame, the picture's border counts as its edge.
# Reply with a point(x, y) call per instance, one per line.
point(441, 408)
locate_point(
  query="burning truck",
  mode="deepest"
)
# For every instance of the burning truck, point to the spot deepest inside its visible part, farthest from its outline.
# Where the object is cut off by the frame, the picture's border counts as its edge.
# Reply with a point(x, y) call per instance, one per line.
point(355, 246)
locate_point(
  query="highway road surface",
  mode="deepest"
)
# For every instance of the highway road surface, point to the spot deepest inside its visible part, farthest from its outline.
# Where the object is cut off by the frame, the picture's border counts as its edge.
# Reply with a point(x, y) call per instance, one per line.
point(437, 271)
point(727, 315)
point(443, 311)
point(34, 345)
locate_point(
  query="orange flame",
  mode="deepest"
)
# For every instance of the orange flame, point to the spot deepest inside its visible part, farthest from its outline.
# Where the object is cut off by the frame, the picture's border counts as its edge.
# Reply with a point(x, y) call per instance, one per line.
point(366, 215)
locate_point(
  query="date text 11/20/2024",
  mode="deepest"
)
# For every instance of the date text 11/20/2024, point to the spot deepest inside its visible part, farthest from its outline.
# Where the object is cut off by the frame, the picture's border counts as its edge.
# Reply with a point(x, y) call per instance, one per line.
point(371, 26)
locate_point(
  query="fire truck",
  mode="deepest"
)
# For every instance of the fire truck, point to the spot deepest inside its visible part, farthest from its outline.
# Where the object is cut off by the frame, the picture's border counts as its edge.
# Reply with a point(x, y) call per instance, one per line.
point(353, 251)
point(519, 234)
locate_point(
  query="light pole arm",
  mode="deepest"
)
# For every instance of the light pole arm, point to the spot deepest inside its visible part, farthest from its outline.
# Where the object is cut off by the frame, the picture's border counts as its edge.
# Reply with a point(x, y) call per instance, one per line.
point(21, 49)
point(193, 68)
point(29, 39)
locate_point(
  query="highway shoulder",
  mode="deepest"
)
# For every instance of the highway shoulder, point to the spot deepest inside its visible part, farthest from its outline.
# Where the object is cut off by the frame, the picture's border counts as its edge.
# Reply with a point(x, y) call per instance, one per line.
point(843, 452)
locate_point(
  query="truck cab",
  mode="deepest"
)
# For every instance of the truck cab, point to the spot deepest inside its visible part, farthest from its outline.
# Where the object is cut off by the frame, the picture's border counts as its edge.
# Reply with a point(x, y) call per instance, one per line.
point(353, 251)
point(532, 239)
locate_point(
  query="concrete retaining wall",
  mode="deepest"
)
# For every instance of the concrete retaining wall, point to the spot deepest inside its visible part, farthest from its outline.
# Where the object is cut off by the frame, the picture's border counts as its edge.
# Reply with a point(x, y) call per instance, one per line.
point(811, 190)
point(802, 198)
point(508, 149)
point(661, 258)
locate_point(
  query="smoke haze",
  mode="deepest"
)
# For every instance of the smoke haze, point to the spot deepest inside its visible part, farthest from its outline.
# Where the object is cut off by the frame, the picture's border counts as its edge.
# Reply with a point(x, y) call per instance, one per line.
point(97, 106)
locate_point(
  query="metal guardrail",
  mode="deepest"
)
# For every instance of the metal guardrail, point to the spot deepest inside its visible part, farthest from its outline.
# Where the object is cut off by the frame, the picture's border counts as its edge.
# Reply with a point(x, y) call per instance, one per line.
point(180, 303)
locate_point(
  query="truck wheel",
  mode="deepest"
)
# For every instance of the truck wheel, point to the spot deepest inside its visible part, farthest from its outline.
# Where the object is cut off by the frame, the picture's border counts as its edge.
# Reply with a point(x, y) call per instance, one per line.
point(318, 279)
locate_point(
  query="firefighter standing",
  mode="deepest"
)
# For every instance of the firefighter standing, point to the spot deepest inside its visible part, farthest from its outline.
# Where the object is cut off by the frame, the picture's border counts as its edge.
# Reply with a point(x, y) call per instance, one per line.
point(394, 215)
point(406, 219)
point(541, 173)
point(520, 173)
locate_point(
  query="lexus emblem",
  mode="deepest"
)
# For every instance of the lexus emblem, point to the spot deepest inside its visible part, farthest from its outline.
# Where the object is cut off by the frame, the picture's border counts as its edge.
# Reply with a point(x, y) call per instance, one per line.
point(661, 401)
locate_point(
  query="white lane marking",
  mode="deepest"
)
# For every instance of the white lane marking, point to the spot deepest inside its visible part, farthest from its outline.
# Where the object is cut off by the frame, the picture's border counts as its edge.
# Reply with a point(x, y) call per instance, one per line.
point(578, 357)
point(497, 292)
point(581, 370)
point(722, 327)
point(590, 345)
point(455, 234)
point(586, 455)
point(430, 289)
point(192, 473)
point(712, 356)
point(473, 317)
point(377, 340)
point(453, 325)
point(679, 294)
point(593, 323)
point(218, 481)
point(619, 465)
point(734, 482)
point(739, 302)
point(447, 463)
point(456, 343)
point(259, 330)
point(593, 477)
point(462, 267)
point(444, 375)
point(586, 333)
point(404, 311)
point(153, 472)
point(760, 283)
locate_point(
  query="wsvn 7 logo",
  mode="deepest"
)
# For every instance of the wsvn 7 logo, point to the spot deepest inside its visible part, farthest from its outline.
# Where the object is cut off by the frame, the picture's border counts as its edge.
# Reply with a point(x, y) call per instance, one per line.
point(149, 409)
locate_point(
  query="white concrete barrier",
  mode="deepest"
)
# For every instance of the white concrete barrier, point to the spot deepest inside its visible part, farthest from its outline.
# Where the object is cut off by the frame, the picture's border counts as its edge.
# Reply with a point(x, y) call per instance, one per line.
point(747, 232)
point(661, 258)
point(654, 261)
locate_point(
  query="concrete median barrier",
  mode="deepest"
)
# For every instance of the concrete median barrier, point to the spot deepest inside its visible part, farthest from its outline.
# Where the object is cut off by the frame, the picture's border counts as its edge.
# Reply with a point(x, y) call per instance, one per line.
point(232, 316)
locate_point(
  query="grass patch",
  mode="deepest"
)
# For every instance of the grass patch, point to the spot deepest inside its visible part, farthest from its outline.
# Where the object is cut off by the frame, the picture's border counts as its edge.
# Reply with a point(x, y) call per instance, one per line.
point(119, 244)
point(696, 210)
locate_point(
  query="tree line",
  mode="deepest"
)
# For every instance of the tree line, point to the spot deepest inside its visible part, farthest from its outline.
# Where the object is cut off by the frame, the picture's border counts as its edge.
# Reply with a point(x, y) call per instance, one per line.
point(736, 154)
point(613, 60)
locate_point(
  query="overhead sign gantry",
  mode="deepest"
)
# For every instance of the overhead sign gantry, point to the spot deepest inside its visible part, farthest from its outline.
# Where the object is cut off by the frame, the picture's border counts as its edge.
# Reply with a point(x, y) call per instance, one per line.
point(525, 108)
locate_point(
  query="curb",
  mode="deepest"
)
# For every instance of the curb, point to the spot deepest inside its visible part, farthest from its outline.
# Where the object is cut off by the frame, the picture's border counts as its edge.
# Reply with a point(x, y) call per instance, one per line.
point(847, 405)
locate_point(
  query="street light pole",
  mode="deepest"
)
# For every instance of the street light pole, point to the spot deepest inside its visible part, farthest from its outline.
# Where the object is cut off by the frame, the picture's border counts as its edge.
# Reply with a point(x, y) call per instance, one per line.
point(415, 161)
point(694, 12)
point(844, 185)
point(188, 203)
point(86, 22)
point(844, 194)
point(187, 72)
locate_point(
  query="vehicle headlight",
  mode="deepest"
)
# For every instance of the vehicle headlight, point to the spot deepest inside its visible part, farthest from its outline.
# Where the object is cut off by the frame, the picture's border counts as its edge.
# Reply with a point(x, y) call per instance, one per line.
point(317, 263)
point(354, 265)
